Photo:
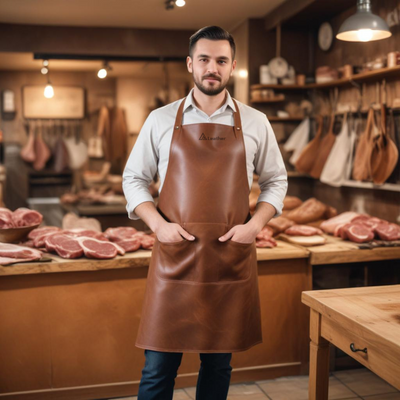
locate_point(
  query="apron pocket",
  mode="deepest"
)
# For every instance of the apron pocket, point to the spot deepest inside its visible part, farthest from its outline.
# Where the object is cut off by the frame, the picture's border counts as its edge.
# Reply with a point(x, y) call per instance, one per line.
point(175, 261)
point(217, 261)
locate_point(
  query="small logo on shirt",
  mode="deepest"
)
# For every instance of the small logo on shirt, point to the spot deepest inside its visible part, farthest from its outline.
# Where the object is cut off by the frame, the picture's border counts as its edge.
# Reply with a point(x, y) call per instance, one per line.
point(204, 137)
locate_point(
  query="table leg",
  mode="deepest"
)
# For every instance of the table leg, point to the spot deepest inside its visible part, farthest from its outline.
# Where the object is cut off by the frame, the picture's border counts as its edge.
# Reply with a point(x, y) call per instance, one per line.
point(319, 360)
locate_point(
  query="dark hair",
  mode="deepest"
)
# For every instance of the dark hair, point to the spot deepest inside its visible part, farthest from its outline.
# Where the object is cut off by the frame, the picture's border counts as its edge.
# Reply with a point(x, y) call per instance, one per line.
point(211, 33)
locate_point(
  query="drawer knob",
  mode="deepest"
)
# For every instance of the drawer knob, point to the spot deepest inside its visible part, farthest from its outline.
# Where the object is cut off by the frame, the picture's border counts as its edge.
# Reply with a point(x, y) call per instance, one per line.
point(353, 349)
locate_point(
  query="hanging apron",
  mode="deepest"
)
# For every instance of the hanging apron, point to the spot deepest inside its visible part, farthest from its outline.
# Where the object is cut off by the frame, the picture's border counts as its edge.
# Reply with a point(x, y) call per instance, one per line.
point(202, 296)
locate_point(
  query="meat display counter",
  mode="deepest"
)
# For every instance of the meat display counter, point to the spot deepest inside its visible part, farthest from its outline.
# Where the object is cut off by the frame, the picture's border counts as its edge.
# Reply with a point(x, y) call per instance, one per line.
point(69, 326)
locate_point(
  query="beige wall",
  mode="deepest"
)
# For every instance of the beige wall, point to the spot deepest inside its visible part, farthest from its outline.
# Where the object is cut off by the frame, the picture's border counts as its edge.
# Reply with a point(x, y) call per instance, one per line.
point(137, 97)
point(98, 92)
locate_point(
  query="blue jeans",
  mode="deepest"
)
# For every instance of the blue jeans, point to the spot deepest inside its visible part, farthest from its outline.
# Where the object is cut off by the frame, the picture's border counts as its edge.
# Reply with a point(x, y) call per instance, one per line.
point(161, 369)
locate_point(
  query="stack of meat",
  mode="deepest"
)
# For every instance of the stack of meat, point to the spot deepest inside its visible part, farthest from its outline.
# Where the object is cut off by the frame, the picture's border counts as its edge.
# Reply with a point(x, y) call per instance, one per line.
point(361, 228)
point(11, 253)
point(301, 219)
point(19, 218)
point(264, 239)
point(74, 243)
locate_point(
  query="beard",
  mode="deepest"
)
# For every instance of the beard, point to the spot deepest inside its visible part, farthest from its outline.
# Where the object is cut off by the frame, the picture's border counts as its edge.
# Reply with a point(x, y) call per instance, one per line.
point(212, 90)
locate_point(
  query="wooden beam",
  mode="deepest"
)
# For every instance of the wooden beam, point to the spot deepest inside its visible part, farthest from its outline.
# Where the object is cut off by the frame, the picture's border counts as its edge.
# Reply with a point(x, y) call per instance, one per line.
point(285, 11)
point(129, 42)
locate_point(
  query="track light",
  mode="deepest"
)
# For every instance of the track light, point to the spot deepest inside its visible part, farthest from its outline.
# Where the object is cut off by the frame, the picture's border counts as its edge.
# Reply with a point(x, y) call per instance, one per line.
point(102, 72)
point(48, 90)
point(170, 4)
point(45, 68)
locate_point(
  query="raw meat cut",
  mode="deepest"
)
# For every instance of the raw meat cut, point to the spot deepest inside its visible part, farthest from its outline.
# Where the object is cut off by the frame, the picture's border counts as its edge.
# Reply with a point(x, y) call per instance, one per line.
point(311, 210)
point(147, 242)
point(6, 218)
point(329, 225)
point(265, 234)
point(42, 231)
point(26, 217)
point(359, 233)
point(14, 251)
point(303, 230)
point(330, 212)
point(387, 231)
point(39, 241)
point(64, 245)
point(94, 248)
point(280, 224)
point(120, 233)
point(85, 233)
point(72, 221)
point(266, 243)
point(291, 202)
point(129, 245)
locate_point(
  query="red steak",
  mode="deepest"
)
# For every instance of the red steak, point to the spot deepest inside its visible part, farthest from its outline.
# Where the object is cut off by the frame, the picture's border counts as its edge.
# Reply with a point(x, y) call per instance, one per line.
point(303, 230)
point(26, 217)
point(64, 245)
point(94, 248)
point(14, 251)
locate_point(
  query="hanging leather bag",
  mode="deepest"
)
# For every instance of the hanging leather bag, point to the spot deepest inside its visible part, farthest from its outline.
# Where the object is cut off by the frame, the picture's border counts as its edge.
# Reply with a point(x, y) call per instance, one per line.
point(306, 159)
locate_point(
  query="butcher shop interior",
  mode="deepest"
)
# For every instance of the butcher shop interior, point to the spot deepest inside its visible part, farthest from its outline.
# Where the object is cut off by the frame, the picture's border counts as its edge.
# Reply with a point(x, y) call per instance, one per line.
point(78, 80)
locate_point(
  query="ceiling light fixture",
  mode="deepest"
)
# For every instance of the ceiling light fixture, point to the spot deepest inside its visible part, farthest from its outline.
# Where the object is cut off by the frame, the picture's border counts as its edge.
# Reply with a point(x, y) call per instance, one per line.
point(48, 90)
point(180, 3)
point(169, 4)
point(363, 26)
point(102, 72)
point(45, 68)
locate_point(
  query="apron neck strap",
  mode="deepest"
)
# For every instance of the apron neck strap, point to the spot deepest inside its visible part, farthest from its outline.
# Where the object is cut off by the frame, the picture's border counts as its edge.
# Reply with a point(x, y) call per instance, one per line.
point(179, 115)
point(236, 116)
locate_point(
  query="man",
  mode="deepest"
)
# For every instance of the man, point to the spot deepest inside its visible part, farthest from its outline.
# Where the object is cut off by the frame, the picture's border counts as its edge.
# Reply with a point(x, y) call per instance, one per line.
point(202, 288)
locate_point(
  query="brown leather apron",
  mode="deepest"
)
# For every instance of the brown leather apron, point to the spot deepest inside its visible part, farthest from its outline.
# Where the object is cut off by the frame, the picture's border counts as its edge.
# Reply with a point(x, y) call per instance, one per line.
point(202, 295)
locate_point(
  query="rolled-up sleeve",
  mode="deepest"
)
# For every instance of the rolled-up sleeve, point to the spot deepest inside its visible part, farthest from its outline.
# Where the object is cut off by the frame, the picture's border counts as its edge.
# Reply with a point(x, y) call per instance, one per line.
point(141, 167)
point(270, 167)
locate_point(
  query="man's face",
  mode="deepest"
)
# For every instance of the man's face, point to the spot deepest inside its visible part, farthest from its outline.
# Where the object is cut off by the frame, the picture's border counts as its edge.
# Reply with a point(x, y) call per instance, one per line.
point(211, 66)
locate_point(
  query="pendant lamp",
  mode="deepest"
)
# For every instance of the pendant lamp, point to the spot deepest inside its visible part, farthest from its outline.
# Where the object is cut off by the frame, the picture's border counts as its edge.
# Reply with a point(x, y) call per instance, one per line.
point(363, 26)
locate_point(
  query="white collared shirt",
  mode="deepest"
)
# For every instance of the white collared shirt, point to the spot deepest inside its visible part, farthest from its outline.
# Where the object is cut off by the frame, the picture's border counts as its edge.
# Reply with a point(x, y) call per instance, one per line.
point(150, 153)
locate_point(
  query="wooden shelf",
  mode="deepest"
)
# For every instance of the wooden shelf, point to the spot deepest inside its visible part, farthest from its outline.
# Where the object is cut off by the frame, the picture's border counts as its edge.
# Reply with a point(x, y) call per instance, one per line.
point(273, 118)
point(275, 99)
point(366, 76)
point(392, 187)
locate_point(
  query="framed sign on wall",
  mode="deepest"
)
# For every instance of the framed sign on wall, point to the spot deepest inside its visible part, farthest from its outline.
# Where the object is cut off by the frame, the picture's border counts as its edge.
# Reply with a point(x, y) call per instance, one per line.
point(68, 102)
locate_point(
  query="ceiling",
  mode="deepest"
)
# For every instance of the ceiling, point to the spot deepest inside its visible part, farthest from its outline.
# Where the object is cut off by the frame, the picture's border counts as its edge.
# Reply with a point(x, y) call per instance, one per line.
point(25, 62)
point(318, 12)
point(134, 14)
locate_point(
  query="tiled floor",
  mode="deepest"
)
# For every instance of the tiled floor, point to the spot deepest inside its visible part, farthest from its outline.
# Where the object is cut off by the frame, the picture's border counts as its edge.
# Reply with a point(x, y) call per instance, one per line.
point(343, 385)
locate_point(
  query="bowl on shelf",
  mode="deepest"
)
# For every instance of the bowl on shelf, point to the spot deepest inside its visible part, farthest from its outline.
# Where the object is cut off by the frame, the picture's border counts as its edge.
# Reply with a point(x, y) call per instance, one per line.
point(15, 235)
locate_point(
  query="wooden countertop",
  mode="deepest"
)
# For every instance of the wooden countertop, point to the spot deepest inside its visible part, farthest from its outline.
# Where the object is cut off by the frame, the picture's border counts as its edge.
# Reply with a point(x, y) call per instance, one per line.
point(338, 251)
point(335, 251)
point(140, 258)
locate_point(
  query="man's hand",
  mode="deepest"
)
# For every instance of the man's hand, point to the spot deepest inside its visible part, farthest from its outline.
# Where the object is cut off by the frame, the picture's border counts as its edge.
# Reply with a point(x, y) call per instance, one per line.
point(247, 233)
point(171, 232)
point(240, 233)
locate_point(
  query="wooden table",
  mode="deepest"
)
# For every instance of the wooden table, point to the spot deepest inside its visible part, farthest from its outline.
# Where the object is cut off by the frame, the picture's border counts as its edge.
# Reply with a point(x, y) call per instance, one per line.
point(363, 322)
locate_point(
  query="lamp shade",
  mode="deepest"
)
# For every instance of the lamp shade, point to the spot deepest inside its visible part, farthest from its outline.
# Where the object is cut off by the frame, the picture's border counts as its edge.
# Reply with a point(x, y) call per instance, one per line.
point(363, 26)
